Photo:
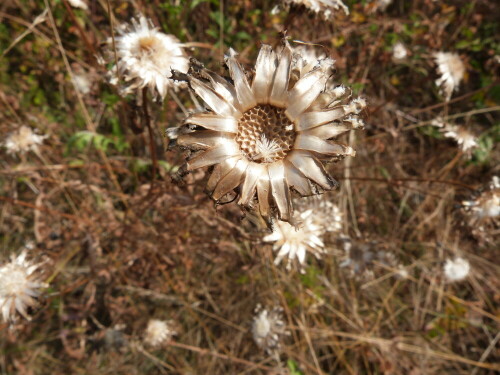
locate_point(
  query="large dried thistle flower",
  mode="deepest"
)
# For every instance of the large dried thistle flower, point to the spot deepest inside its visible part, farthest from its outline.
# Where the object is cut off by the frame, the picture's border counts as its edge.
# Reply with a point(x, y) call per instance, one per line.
point(268, 327)
point(268, 134)
point(325, 8)
point(23, 141)
point(146, 57)
point(452, 71)
point(19, 286)
point(313, 219)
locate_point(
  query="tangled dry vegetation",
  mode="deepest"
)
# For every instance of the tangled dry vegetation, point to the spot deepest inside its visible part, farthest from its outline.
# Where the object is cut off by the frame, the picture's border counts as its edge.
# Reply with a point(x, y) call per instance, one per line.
point(114, 261)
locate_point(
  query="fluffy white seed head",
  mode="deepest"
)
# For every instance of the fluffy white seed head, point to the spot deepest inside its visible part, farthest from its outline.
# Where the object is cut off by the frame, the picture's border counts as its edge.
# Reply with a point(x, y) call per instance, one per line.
point(146, 57)
point(23, 141)
point(19, 286)
point(452, 71)
point(268, 327)
point(399, 52)
point(456, 269)
point(158, 332)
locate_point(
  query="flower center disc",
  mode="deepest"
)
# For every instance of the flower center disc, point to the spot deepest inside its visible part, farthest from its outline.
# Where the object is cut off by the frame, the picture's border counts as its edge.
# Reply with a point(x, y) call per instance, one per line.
point(265, 133)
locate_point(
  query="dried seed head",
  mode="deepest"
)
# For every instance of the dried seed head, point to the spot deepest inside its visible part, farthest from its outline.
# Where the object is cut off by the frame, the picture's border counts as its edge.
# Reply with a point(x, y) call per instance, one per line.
point(265, 133)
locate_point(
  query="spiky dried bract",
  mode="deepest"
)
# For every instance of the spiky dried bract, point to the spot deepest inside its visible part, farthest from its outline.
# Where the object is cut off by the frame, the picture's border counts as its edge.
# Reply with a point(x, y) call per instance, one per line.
point(146, 56)
point(325, 8)
point(19, 286)
point(487, 204)
point(456, 269)
point(158, 332)
point(268, 327)
point(452, 71)
point(271, 134)
point(23, 141)
point(465, 139)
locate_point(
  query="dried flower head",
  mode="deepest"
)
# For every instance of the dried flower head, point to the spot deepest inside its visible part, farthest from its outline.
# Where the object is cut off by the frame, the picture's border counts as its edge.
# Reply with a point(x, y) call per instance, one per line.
point(267, 328)
point(146, 57)
point(486, 204)
point(268, 135)
point(465, 139)
point(313, 219)
point(158, 332)
point(18, 287)
point(23, 140)
point(399, 51)
point(452, 71)
point(78, 4)
point(325, 8)
point(456, 269)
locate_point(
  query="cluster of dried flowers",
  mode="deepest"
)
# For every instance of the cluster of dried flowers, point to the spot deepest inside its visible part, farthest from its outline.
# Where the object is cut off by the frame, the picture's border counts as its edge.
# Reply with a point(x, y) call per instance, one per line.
point(267, 135)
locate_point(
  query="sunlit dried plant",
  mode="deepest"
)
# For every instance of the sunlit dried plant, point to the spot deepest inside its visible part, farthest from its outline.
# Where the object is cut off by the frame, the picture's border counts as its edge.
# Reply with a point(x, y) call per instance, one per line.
point(23, 141)
point(452, 71)
point(145, 57)
point(158, 332)
point(465, 139)
point(314, 217)
point(269, 134)
point(456, 269)
point(19, 286)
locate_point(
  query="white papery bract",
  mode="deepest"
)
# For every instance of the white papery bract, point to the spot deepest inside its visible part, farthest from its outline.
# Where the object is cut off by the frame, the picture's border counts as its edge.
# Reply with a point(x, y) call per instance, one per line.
point(19, 286)
point(267, 328)
point(158, 332)
point(146, 57)
point(456, 269)
point(269, 135)
point(452, 71)
point(325, 8)
point(78, 4)
point(23, 141)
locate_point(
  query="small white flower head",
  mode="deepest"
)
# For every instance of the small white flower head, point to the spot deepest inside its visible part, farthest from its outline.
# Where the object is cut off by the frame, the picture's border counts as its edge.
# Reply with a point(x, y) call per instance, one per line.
point(146, 57)
point(294, 241)
point(465, 139)
point(158, 332)
point(452, 71)
point(78, 4)
point(325, 8)
point(267, 328)
point(487, 204)
point(456, 269)
point(23, 141)
point(399, 52)
point(82, 83)
point(18, 287)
